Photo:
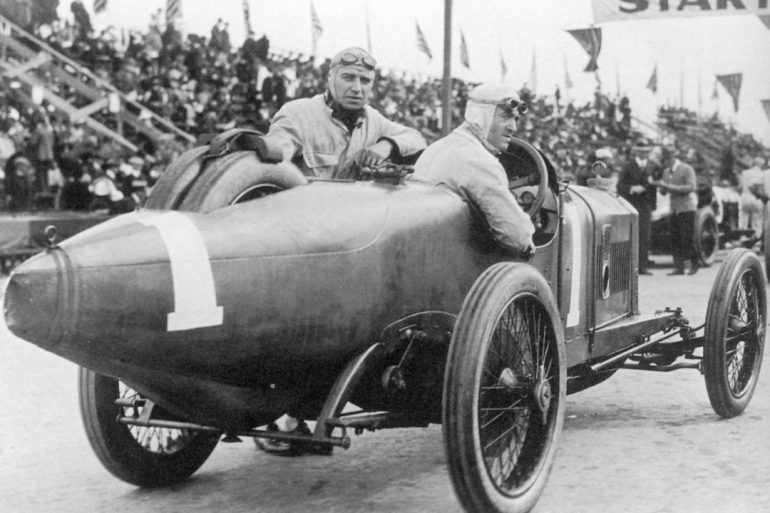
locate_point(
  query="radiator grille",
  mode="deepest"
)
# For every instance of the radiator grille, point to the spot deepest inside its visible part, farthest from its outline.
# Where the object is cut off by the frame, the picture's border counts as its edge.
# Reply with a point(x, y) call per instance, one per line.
point(620, 266)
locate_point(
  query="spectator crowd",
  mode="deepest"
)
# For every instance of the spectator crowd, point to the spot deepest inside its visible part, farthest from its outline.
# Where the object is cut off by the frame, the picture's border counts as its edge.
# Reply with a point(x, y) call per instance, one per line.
point(206, 85)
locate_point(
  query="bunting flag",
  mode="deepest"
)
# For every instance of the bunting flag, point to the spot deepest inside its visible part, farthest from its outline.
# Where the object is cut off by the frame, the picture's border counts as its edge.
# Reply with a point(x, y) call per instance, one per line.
point(247, 17)
point(567, 80)
point(464, 58)
point(652, 83)
point(533, 74)
point(422, 44)
point(766, 106)
point(100, 6)
point(316, 27)
point(503, 67)
point(732, 84)
point(173, 10)
point(766, 20)
point(591, 41)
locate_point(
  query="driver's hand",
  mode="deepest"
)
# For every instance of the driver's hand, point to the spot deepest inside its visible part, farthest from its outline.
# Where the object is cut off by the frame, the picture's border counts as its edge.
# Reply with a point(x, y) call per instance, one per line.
point(529, 251)
point(374, 155)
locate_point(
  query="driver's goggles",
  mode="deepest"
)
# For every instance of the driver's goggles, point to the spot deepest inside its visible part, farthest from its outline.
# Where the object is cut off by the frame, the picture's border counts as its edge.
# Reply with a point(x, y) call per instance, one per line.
point(510, 106)
point(350, 58)
point(513, 106)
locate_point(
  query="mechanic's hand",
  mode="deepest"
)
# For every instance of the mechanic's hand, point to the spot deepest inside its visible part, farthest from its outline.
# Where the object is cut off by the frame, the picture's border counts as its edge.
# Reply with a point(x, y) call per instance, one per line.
point(374, 155)
point(637, 189)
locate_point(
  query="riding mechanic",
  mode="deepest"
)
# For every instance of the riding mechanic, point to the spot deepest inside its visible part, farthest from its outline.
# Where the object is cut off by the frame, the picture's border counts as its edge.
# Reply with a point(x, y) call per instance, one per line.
point(335, 134)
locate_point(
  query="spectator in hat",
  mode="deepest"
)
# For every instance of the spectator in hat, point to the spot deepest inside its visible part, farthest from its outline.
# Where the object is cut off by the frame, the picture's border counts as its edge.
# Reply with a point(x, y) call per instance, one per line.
point(42, 144)
point(19, 182)
point(635, 185)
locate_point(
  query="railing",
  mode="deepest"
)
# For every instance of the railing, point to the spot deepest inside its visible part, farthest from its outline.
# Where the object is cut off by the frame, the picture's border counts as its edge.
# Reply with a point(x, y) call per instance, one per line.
point(31, 61)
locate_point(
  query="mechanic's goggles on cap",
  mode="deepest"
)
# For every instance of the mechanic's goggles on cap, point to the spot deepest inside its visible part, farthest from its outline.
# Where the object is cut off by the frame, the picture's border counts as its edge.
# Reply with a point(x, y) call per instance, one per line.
point(510, 105)
point(350, 58)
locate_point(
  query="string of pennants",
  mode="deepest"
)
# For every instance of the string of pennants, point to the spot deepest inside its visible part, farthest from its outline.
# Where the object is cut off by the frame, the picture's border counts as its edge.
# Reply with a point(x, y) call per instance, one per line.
point(590, 39)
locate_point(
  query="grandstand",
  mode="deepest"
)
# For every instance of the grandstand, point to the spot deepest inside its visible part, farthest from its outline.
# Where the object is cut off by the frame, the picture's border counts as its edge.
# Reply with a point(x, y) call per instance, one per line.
point(149, 97)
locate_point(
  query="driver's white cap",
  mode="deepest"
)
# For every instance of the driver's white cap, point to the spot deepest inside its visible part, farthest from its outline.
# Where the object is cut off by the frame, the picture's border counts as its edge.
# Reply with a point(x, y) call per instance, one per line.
point(482, 102)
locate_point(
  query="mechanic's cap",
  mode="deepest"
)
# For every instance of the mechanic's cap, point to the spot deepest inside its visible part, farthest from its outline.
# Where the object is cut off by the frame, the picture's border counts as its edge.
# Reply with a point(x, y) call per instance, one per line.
point(354, 56)
point(498, 95)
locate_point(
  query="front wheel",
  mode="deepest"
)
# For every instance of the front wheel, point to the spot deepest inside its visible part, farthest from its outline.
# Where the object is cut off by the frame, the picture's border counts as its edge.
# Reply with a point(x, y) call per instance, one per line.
point(504, 391)
point(143, 456)
point(735, 333)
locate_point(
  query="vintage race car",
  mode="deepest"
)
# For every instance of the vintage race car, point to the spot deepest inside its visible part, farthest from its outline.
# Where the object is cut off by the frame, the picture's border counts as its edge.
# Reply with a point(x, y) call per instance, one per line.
point(245, 291)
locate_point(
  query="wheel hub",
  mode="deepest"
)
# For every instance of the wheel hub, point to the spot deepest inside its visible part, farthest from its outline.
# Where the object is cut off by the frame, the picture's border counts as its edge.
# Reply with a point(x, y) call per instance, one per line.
point(543, 396)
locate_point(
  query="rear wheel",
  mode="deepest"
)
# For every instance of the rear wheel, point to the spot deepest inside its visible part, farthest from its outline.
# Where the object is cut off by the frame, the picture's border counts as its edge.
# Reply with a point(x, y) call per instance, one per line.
point(766, 239)
point(706, 235)
point(735, 333)
point(504, 391)
point(143, 456)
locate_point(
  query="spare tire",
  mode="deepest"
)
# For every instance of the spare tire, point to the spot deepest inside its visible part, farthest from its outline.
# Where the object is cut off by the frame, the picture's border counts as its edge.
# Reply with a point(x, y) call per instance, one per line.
point(170, 189)
point(239, 177)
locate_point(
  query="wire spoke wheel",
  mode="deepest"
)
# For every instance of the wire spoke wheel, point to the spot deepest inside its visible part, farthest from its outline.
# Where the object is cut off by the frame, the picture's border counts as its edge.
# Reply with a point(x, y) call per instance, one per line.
point(744, 333)
point(706, 235)
point(143, 456)
point(156, 440)
point(735, 333)
point(514, 398)
point(504, 391)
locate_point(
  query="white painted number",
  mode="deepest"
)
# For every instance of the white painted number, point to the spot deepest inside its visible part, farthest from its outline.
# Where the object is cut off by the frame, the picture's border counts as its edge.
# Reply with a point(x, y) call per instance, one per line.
point(195, 299)
point(573, 317)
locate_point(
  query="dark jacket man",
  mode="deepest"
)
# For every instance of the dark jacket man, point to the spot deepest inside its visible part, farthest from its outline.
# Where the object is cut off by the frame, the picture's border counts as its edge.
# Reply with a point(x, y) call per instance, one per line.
point(634, 185)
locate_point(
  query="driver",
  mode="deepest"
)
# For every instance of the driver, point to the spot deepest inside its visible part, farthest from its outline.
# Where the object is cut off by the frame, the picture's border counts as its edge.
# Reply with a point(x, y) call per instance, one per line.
point(466, 162)
point(337, 133)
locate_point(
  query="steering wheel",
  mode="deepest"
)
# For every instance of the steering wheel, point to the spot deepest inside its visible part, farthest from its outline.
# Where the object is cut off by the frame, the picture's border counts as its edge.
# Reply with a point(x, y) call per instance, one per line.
point(540, 178)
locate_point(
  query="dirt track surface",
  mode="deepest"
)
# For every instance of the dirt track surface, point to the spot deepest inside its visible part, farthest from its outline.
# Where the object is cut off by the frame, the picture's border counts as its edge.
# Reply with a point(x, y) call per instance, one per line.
point(640, 442)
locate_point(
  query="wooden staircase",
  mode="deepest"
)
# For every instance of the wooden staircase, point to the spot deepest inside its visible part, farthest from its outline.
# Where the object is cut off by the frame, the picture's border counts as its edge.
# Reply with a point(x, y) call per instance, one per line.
point(36, 66)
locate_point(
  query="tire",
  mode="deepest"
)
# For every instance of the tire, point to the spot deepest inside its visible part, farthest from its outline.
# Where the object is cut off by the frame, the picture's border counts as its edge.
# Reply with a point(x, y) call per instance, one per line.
point(147, 457)
point(505, 296)
point(706, 235)
point(170, 189)
point(239, 177)
point(766, 238)
point(735, 333)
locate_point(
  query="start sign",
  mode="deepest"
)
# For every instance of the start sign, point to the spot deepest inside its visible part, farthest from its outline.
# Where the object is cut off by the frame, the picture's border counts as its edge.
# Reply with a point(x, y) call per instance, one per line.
point(619, 10)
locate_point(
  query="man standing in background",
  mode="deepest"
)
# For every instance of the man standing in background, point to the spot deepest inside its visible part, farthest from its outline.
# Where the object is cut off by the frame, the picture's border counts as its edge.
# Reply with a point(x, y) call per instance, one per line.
point(679, 181)
point(635, 186)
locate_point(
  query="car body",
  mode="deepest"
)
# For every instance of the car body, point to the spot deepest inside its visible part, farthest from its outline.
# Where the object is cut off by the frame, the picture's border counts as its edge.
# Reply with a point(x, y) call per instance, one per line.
point(219, 313)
